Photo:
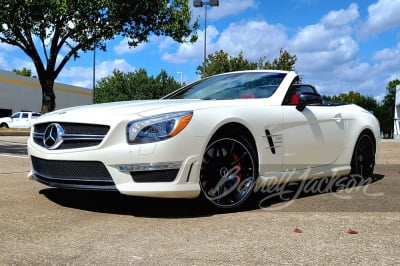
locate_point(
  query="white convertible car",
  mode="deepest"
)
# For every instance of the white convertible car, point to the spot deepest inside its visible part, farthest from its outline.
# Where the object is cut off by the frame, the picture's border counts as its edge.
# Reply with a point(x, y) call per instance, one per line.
point(221, 137)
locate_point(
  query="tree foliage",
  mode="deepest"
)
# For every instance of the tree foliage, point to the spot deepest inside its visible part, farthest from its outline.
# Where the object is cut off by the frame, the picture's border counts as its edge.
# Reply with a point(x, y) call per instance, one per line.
point(221, 62)
point(54, 31)
point(383, 111)
point(134, 86)
point(386, 110)
point(366, 102)
point(23, 72)
point(285, 61)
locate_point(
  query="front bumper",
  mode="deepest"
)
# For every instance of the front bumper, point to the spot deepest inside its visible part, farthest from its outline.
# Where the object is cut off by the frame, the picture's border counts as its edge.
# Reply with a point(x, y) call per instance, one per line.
point(167, 169)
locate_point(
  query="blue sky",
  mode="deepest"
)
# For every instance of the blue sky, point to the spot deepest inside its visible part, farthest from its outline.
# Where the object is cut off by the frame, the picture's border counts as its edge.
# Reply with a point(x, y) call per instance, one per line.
point(340, 45)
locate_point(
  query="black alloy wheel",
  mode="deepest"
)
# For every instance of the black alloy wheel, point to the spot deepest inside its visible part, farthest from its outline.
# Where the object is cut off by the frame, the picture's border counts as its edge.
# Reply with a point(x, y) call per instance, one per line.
point(228, 171)
point(363, 161)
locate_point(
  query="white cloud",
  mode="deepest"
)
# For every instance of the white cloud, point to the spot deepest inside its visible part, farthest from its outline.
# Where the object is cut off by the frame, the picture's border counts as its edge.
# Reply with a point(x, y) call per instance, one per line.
point(83, 76)
point(328, 48)
point(251, 37)
point(4, 62)
point(382, 16)
point(7, 47)
point(328, 56)
point(166, 43)
point(229, 8)
point(341, 17)
point(20, 63)
point(191, 52)
point(255, 38)
point(123, 48)
point(77, 75)
point(338, 51)
point(107, 67)
point(331, 33)
point(327, 53)
point(329, 41)
point(388, 59)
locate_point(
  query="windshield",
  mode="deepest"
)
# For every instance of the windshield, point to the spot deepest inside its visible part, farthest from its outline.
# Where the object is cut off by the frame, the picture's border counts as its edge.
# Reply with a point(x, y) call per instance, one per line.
point(16, 115)
point(232, 86)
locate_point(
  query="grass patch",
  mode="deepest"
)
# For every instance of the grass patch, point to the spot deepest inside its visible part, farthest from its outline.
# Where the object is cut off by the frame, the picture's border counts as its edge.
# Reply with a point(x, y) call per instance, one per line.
point(15, 129)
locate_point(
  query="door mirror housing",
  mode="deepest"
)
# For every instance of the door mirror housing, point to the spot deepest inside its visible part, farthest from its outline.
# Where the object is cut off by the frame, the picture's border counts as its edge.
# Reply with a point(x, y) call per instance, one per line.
point(308, 98)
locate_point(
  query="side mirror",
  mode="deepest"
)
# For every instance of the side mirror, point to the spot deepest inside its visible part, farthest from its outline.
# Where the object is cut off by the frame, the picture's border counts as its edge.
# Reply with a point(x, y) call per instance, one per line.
point(307, 98)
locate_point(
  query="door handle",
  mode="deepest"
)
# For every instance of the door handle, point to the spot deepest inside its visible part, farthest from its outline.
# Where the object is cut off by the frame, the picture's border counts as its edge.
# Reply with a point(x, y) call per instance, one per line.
point(338, 117)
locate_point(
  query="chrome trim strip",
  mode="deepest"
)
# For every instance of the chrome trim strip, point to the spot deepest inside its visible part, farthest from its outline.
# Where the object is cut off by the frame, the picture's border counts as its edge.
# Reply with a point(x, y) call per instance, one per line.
point(80, 137)
point(73, 136)
point(140, 167)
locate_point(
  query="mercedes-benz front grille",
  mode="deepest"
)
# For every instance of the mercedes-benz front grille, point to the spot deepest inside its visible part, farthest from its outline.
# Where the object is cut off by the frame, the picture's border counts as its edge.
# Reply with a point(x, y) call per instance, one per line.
point(72, 174)
point(74, 135)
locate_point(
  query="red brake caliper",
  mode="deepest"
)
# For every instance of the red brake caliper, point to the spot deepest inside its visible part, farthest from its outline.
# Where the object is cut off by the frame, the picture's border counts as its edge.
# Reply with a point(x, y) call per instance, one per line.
point(237, 167)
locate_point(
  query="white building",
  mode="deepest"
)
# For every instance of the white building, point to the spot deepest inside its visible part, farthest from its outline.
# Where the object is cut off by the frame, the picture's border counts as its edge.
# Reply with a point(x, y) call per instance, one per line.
point(19, 93)
point(396, 132)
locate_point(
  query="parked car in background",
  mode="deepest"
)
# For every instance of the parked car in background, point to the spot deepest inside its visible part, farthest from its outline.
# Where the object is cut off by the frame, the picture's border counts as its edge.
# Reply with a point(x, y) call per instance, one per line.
point(19, 120)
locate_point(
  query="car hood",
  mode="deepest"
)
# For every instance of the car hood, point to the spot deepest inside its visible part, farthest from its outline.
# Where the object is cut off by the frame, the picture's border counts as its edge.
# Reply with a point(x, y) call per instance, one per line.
point(101, 113)
point(5, 119)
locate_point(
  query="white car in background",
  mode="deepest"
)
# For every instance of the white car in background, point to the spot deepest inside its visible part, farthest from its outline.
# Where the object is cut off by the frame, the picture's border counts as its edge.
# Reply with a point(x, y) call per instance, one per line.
point(221, 137)
point(19, 120)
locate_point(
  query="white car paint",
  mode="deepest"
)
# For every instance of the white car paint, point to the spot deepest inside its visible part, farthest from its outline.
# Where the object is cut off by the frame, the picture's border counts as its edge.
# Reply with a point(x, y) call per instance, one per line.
point(319, 138)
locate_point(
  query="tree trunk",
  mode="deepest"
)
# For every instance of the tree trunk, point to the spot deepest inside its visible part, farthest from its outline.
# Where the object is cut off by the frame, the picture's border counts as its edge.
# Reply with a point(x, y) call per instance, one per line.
point(48, 97)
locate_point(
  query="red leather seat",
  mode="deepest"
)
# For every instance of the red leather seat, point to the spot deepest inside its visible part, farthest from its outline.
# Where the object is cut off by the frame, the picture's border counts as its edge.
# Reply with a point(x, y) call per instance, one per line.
point(247, 96)
point(295, 99)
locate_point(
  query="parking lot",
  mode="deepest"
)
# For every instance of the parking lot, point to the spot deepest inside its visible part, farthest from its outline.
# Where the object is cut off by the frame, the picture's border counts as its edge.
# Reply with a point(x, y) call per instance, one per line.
point(47, 226)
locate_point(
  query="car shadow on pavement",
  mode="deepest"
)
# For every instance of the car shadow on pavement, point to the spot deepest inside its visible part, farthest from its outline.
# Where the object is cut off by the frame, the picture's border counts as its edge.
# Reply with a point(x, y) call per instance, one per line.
point(116, 203)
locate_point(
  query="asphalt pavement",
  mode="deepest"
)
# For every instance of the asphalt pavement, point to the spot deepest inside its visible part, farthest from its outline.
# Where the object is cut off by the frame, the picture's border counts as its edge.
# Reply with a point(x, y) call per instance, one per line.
point(358, 224)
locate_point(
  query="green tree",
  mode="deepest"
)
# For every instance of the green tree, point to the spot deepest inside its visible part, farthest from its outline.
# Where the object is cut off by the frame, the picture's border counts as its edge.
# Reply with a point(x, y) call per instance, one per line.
point(368, 103)
point(23, 72)
point(221, 62)
point(285, 61)
point(52, 32)
point(383, 111)
point(134, 86)
point(386, 109)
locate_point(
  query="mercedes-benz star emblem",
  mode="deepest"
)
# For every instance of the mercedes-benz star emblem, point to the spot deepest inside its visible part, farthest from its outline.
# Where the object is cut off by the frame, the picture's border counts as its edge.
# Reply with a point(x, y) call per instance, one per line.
point(52, 138)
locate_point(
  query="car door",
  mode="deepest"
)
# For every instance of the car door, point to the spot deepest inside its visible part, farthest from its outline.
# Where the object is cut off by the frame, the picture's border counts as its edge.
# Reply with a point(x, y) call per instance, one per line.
point(312, 137)
point(15, 120)
point(24, 121)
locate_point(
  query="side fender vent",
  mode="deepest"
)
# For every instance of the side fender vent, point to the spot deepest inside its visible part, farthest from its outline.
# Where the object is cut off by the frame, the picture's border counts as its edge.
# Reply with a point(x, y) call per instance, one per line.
point(270, 141)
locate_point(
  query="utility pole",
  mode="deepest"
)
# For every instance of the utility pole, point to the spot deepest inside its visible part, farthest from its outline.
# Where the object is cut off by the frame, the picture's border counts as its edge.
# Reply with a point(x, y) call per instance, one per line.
point(199, 3)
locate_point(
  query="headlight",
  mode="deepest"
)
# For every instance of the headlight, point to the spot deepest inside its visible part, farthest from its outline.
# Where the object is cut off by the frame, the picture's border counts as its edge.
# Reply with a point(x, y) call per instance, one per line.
point(157, 128)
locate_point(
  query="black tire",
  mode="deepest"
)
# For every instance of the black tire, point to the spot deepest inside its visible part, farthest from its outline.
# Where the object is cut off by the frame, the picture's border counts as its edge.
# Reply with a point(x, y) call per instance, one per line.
point(363, 160)
point(228, 172)
point(3, 125)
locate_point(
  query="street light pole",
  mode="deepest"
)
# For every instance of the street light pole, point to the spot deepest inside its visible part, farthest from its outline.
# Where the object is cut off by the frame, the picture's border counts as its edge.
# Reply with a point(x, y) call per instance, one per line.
point(199, 3)
point(205, 39)
point(94, 74)
point(180, 72)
